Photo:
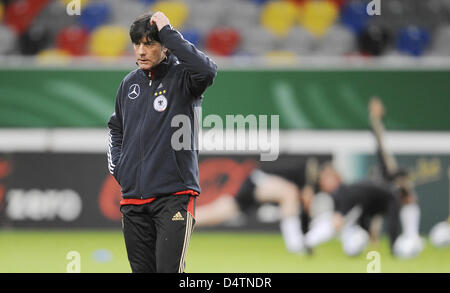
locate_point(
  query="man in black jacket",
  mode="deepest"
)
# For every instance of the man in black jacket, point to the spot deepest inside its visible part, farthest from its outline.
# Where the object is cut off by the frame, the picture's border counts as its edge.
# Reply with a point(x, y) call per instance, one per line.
point(159, 183)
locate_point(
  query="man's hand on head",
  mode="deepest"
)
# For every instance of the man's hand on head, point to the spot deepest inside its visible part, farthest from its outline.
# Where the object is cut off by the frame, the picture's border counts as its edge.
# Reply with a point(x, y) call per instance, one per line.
point(160, 19)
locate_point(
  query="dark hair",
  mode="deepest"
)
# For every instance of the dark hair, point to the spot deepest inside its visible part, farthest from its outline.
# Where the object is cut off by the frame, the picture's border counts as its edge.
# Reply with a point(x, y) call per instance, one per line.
point(141, 28)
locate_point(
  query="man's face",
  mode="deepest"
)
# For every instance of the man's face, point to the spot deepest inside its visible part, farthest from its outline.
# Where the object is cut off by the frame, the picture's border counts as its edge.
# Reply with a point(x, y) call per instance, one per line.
point(149, 53)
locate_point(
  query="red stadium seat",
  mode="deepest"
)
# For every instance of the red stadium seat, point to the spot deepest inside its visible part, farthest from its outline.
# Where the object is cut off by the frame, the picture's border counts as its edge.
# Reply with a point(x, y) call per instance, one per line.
point(73, 39)
point(223, 41)
point(20, 14)
point(339, 3)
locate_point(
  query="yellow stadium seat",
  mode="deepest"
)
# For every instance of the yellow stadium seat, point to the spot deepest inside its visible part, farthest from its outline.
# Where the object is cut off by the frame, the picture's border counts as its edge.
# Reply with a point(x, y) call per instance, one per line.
point(109, 41)
point(318, 16)
point(280, 57)
point(279, 17)
point(176, 11)
point(53, 57)
point(2, 11)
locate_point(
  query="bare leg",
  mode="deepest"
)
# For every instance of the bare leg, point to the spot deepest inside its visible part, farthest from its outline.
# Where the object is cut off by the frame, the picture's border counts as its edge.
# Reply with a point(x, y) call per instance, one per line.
point(222, 209)
point(276, 189)
point(279, 190)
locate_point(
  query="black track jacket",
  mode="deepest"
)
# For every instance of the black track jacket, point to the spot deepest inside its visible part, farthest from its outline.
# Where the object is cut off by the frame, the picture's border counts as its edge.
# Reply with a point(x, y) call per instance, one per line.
point(140, 154)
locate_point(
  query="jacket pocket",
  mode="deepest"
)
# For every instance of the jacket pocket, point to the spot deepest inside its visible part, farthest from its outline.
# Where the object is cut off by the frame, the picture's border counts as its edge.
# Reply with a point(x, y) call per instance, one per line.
point(117, 169)
point(177, 163)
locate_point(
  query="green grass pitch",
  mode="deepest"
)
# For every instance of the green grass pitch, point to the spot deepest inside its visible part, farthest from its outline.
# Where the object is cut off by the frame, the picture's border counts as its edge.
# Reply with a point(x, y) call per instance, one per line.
point(209, 252)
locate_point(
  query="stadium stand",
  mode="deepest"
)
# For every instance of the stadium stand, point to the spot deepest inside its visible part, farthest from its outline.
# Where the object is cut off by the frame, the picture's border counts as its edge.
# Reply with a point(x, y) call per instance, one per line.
point(232, 28)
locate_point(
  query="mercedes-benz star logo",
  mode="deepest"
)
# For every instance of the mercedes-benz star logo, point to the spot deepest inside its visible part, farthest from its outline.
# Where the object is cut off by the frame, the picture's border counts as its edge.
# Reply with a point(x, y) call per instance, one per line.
point(134, 91)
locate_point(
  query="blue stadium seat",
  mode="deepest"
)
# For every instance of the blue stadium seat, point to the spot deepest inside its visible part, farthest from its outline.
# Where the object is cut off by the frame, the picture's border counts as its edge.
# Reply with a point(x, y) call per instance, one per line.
point(94, 15)
point(413, 40)
point(192, 35)
point(354, 16)
point(259, 2)
point(147, 2)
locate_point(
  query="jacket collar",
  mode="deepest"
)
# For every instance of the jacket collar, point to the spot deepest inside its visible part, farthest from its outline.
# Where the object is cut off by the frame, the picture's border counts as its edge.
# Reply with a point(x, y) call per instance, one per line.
point(159, 70)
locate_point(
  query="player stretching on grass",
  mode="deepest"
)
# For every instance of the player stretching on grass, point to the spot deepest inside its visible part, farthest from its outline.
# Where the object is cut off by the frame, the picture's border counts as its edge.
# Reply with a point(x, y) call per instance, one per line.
point(356, 205)
point(394, 177)
point(159, 184)
point(288, 189)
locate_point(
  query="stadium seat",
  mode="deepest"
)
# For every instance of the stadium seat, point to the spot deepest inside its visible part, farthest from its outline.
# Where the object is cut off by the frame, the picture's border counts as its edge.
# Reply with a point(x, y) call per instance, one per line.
point(445, 9)
point(95, 14)
point(373, 40)
point(339, 3)
point(397, 14)
point(297, 2)
point(8, 39)
point(198, 10)
point(2, 11)
point(318, 16)
point(399, 9)
point(222, 41)
point(54, 18)
point(53, 57)
point(20, 14)
point(34, 40)
point(241, 14)
point(299, 40)
point(354, 15)
point(147, 2)
point(413, 40)
point(441, 42)
point(256, 40)
point(259, 2)
point(280, 57)
point(192, 36)
point(430, 14)
point(123, 13)
point(279, 17)
point(109, 41)
point(176, 11)
point(73, 39)
point(338, 41)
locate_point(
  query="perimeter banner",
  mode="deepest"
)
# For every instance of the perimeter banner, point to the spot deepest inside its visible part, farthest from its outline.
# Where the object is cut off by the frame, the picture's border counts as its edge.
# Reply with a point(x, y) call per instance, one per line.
point(75, 190)
point(303, 99)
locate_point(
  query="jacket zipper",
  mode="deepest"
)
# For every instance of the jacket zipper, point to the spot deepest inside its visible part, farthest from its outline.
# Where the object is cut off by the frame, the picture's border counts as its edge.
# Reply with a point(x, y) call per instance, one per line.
point(141, 155)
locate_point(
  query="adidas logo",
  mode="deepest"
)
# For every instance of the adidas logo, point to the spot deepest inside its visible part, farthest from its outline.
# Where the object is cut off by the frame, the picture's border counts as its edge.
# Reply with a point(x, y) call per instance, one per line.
point(177, 217)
